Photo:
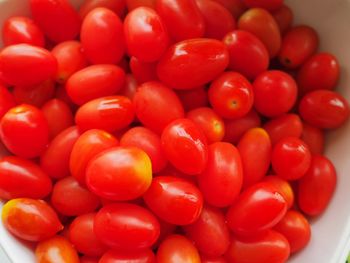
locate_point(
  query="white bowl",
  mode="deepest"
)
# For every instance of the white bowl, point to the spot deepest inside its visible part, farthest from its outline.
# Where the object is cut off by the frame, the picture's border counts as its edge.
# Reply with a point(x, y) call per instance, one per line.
point(330, 241)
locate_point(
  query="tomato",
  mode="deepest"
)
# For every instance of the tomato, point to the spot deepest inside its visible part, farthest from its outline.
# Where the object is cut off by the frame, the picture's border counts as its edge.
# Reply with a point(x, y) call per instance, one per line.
point(269, 248)
point(208, 56)
point(130, 87)
point(314, 138)
point(185, 146)
point(298, 44)
point(156, 106)
point(284, 18)
point(269, 5)
point(193, 98)
point(30, 219)
point(275, 93)
point(283, 187)
point(177, 249)
point(143, 71)
point(70, 58)
point(296, 229)
point(146, 35)
point(94, 82)
point(133, 4)
point(209, 233)
point(231, 95)
point(26, 65)
point(221, 181)
point(174, 200)
point(88, 259)
point(82, 236)
point(166, 229)
point(259, 208)
point(89, 144)
point(56, 249)
point(20, 29)
point(139, 256)
point(261, 23)
point(316, 188)
point(24, 131)
point(110, 113)
point(117, 6)
point(285, 125)
point(205, 259)
point(248, 55)
point(126, 226)
point(109, 48)
point(147, 141)
point(218, 20)
point(324, 109)
point(7, 100)
point(236, 7)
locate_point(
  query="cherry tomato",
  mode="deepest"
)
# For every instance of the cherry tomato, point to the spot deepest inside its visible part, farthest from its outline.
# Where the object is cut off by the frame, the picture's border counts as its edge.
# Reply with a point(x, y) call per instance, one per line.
point(208, 56)
point(269, 5)
point(298, 44)
point(24, 131)
point(126, 226)
point(283, 187)
point(166, 229)
point(88, 259)
point(143, 71)
point(117, 6)
point(231, 95)
point(314, 138)
point(26, 65)
point(139, 256)
point(284, 18)
point(130, 87)
point(20, 29)
point(324, 109)
point(236, 7)
point(133, 4)
point(109, 48)
point(56, 249)
point(174, 200)
point(205, 259)
point(30, 219)
point(7, 100)
point(275, 93)
point(193, 98)
point(316, 188)
point(248, 55)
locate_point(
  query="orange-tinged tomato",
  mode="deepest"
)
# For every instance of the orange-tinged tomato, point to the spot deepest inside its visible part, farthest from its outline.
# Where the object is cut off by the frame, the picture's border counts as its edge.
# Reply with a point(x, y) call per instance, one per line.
point(283, 187)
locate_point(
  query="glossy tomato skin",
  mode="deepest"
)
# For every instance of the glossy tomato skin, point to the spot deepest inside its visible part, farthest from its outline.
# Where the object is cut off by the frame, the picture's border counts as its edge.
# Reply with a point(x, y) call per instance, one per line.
point(208, 56)
point(20, 29)
point(314, 138)
point(109, 49)
point(185, 146)
point(24, 131)
point(133, 4)
point(236, 7)
point(206, 259)
point(30, 219)
point(316, 188)
point(283, 187)
point(26, 65)
point(324, 109)
point(7, 100)
point(284, 17)
point(193, 98)
point(126, 226)
point(117, 6)
point(130, 87)
point(143, 71)
point(269, 5)
point(174, 200)
point(140, 256)
point(47, 13)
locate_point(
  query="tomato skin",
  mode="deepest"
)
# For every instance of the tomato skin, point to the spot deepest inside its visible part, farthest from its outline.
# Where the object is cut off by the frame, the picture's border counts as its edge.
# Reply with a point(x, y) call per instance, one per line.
point(174, 200)
point(143, 71)
point(269, 5)
point(130, 87)
point(193, 98)
point(58, 246)
point(87, 259)
point(314, 138)
point(109, 113)
point(24, 131)
point(205, 259)
point(26, 65)
point(236, 7)
point(208, 56)
point(30, 219)
point(324, 109)
point(269, 248)
point(140, 256)
point(248, 55)
point(133, 4)
point(283, 187)
point(126, 226)
point(156, 106)
point(284, 18)
point(7, 100)
point(316, 188)
point(20, 29)
point(117, 6)
point(109, 49)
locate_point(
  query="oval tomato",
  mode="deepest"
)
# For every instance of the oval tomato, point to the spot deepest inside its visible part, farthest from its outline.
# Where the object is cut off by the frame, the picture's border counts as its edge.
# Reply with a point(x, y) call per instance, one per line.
point(284, 17)
point(133, 4)
point(236, 7)
point(193, 98)
point(269, 5)
point(283, 187)
point(117, 6)
point(7, 100)
point(205, 259)
point(140, 256)
point(143, 71)
point(314, 138)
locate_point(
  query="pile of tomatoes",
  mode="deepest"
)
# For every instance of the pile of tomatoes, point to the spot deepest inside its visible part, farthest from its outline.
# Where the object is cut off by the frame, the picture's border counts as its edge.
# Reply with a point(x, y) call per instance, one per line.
point(169, 131)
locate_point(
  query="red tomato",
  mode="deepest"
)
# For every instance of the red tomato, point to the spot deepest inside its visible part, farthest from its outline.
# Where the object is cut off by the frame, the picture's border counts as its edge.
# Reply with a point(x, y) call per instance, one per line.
point(314, 138)
point(284, 18)
point(117, 6)
point(298, 44)
point(248, 55)
point(166, 229)
point(193, 98)
point(30, 219)
point(20, 29)
point(236, 7)
point(174, 200)
point(24, 131)
point(126, 226)
point(231, 95)
point(139, 256)
point(283, 187)
point(7, 100)
point(130, 87)
point(109, 48)
point(205, 259)
point(87, 259)
point(133, 4)
point(269, 5)
point(26, 65)
point(156, 106)
point(269, 248)
point(275, 93)
point(324, 109)
point(296, 229)
point(316, 188)
point(110, 113)
point(143, 71)
point(208, 56)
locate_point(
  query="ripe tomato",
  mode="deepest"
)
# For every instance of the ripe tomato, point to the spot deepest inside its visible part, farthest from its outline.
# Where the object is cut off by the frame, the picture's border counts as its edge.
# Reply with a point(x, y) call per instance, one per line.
point(193, 98)
point(143, 71)
point(7, 100)
point(269, 5)
point(208, 56)
point(283, 187)
point(24, 131)
point(205, 259)
point(126, 226)
point(117, 6)
point(130, 87)
point(133, 4)
point(231, 95)
point(88, 259)
point(30, 219)
point(314, 138)
point(284, 18)
point(236, 7)
point(139, 256)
